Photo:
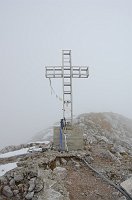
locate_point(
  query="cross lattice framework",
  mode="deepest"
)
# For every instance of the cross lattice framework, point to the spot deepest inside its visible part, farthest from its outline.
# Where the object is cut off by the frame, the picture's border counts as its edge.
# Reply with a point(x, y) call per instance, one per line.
point(67, 72)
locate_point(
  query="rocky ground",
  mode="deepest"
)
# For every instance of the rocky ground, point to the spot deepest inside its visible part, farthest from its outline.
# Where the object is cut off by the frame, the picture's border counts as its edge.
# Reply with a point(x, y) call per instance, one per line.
point(53, 175)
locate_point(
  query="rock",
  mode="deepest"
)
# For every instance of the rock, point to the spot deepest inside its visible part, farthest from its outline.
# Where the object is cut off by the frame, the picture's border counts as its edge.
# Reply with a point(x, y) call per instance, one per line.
point(24, 194)
point(90, 139)
point(1, 188)
point(52, 195)
point(63, 161)
point(18, 177)
point(69, 182)
point(102, 138)
point(43, 163)
point(129, 176)
point(17, 197)
point(31, 185)
point(3, 180)
point(29, 195)
point(7, 191)
point(61, 172)
point(21, 187)
point(57, 163)
point(115, 193)
point(32, 174)
point(87, 147)
point(39, 185)
point(108, 155)
point(70, 162)
point(112, 174)
point(15, 192)
point(8, 175)
point(88, 153)
point(118, 155)
point(121, 150)
point(89, 159)
point(77, 166)
point(127, 185)
point(82, 125)
point(122, 198)
point(113, 150)
point(12, 182)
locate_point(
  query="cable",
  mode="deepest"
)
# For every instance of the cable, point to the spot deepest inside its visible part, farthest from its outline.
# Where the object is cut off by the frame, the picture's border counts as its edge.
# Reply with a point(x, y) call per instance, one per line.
point(53, 91)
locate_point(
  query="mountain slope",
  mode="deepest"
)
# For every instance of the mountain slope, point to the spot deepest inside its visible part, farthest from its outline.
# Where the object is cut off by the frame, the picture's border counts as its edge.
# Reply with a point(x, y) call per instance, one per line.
point(109, 126)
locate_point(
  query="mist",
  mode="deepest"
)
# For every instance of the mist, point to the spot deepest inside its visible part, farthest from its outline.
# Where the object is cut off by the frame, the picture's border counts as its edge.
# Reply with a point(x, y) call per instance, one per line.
point(33, 35)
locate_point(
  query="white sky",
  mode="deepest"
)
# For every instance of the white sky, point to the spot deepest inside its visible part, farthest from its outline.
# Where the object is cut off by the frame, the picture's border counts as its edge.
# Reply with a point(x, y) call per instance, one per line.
point(32, 35)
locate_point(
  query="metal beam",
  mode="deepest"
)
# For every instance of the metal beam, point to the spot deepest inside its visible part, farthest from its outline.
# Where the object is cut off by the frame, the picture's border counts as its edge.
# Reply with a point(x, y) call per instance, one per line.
point(57, 71)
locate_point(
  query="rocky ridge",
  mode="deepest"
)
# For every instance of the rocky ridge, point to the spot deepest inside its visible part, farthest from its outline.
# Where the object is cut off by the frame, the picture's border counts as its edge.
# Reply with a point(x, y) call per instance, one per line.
point(60, 176)
point(111, 128)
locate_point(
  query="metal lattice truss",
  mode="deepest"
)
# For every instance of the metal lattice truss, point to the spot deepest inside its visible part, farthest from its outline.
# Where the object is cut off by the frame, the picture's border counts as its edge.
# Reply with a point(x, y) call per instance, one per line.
point(57, 72)
point(67, 72)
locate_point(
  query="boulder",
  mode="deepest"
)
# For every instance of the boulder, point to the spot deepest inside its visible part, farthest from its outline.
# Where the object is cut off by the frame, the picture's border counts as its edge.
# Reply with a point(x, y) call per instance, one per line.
point(15, 192)
point(63, 161)
point(89, 159)
point(57, 163)
point(7, 191)
point(29, 195)
point(12, 182)
point(32, 174)
point(106, 154)
point(31, 185)
point(52, 194)
point(39, 185)
point(3, 180)
point(60, 172)
point(18, 177)
point(122, 198)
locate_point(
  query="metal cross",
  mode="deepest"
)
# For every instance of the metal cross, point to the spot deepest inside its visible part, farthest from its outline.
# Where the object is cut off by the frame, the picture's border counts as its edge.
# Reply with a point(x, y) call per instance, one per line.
point(67, 72)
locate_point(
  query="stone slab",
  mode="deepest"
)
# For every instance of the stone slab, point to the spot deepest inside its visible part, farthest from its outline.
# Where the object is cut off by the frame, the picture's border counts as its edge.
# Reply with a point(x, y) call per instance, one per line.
point(127, 185)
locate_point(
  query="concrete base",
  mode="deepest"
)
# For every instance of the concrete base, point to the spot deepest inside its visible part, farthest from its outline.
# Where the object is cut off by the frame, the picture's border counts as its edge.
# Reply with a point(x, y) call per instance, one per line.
point(127, 185)
point(74, 138)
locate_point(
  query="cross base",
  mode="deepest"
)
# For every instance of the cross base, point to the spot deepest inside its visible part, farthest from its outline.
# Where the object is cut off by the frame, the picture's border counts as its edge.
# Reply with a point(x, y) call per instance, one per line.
point(72, 139)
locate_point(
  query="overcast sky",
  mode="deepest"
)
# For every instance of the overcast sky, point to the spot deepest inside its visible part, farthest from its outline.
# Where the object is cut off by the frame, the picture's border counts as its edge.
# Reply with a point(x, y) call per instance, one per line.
point(33, 34)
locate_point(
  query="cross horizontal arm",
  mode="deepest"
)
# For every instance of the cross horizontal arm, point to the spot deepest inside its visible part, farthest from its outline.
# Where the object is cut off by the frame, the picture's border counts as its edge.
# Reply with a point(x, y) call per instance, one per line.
point(53, 72)
point(58, 71)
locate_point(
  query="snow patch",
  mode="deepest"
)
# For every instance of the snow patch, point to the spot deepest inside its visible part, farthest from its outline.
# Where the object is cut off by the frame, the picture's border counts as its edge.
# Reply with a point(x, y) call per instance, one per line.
point(40, 142)
point(7, 167)
point(14, 153)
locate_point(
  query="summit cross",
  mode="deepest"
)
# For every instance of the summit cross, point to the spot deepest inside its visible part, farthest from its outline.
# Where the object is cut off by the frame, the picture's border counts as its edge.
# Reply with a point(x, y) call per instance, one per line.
point(67, 72)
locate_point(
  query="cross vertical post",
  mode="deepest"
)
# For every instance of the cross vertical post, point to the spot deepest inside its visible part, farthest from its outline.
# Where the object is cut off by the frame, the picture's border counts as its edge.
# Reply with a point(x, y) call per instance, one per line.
point(67, 85)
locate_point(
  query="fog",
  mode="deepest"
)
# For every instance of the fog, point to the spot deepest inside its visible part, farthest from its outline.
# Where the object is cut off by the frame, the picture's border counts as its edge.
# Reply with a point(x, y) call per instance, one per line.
point(33, 34)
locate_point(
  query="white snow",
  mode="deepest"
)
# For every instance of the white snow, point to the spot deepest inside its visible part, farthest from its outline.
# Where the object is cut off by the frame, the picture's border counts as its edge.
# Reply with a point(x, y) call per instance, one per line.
point(14, 153)
point(7, 167)
point(34, 149)
point(40, 142)
point(45, 142)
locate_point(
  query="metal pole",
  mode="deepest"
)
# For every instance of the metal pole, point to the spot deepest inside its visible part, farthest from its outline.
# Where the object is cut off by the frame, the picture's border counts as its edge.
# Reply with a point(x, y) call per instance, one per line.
point(71, 89)
point(61, 139)
point(63, 83)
